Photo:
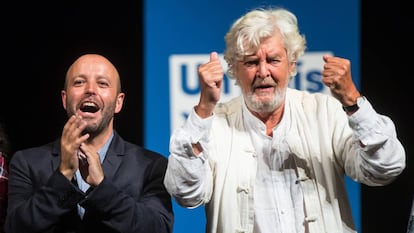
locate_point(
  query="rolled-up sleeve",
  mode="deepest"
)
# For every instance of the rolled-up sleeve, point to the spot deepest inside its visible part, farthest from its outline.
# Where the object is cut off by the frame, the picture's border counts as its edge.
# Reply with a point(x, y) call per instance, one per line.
point(382, 156)
point(188, 177)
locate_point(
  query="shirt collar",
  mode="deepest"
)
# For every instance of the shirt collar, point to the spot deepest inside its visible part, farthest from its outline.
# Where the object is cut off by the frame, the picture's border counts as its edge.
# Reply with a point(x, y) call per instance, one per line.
point(254, 123)
point(104, 149)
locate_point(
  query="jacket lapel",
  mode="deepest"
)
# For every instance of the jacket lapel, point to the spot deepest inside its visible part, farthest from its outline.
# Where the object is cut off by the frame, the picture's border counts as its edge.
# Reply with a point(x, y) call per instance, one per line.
point(114, 156)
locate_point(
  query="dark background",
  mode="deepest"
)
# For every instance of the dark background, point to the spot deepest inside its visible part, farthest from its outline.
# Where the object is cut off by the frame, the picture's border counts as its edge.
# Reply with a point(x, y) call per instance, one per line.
point(40, 41)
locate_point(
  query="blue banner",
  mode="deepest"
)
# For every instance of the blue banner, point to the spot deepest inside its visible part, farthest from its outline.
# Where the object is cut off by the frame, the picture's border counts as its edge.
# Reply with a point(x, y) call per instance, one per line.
point(179, 35)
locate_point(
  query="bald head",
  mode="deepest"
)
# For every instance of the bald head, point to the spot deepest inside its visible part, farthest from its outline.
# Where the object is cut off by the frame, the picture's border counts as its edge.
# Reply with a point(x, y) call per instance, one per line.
point(93, 63)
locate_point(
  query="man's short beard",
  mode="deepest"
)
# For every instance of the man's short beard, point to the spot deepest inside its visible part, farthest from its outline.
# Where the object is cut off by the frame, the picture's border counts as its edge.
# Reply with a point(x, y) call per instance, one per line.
point(94, 130)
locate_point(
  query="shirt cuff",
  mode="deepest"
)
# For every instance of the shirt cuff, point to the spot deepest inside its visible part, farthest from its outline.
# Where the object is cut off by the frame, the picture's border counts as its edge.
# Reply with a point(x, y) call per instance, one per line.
point(197, 127)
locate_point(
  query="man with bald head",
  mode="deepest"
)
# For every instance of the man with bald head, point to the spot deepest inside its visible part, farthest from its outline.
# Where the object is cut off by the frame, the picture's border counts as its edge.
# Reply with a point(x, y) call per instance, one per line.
point(89, 179)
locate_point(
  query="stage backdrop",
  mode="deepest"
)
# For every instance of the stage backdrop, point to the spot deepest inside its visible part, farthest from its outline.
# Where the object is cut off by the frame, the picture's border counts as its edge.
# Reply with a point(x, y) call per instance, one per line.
point(179, 35)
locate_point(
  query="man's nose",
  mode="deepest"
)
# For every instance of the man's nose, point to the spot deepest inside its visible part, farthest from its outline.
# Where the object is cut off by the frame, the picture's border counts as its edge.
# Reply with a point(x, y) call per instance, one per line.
point(263, 70)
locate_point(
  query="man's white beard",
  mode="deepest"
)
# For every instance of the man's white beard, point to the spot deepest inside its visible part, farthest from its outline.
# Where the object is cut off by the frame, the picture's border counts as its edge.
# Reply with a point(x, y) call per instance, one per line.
point(265, 107)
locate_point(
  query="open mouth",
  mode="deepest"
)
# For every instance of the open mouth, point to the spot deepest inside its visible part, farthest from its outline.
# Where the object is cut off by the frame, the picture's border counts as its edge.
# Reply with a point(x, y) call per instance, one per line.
point(89, 107)
point(264, 87)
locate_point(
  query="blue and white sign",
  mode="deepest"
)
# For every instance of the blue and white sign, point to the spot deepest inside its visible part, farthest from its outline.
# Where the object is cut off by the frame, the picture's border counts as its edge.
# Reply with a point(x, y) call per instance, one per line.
point(179, 36)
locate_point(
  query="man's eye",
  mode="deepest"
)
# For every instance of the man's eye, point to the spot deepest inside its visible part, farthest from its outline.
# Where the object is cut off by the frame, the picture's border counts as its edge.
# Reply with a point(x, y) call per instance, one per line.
point(250, 63)
point(103, 84)
point(78, 82)
point(273, 61)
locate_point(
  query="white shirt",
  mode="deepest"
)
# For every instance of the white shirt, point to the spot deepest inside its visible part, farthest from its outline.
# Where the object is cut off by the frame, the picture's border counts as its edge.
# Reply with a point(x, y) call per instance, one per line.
point(278, 197)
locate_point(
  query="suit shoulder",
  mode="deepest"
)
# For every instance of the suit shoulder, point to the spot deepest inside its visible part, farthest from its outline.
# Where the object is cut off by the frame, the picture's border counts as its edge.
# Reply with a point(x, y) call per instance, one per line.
point(36, 153)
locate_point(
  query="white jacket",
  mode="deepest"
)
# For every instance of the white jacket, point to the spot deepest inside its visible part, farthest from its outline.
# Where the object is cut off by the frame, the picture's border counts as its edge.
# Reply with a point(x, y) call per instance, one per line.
point(326, 144)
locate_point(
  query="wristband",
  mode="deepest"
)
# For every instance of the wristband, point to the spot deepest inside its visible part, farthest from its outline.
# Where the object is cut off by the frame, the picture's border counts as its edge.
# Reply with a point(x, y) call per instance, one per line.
point(355, 107)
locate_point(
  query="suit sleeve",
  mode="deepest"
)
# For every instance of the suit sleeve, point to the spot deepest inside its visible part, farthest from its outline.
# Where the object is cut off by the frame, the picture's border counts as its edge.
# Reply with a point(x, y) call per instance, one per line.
point(34, 207)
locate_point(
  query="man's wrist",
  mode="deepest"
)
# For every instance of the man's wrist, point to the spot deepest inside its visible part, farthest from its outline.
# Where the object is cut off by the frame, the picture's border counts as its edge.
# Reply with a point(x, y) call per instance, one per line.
point(353, 108)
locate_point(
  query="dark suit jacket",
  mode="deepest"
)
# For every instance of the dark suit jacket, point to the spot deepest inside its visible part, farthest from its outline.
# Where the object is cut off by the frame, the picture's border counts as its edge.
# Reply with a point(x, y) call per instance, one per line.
point(131, 197)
